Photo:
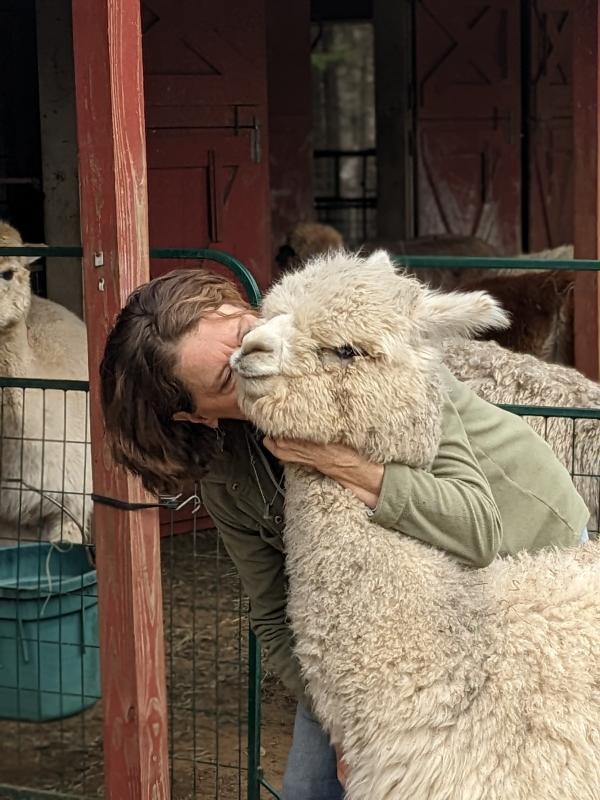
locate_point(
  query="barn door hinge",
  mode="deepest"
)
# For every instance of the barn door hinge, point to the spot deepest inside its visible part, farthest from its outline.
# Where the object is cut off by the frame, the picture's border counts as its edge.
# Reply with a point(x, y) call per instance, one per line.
point(255, 142)
point(215, 221)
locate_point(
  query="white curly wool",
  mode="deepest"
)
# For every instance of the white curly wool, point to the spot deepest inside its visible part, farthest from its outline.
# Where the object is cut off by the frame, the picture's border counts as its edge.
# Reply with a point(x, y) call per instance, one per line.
point(40, 339)
point(438, 682)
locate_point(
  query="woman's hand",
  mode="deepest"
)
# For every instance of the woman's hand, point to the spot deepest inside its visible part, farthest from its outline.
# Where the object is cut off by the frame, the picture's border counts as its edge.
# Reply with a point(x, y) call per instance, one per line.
point(342, 768)
point(337, 461)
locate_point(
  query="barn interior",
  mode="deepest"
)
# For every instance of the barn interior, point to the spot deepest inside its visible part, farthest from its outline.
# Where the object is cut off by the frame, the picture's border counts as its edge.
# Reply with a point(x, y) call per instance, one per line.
point(392, 122)
point(387, 120)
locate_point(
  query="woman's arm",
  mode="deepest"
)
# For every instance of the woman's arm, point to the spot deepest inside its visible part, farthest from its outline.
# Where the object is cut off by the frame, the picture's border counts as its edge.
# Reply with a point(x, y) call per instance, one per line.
point(450, 507)
point(261, 570)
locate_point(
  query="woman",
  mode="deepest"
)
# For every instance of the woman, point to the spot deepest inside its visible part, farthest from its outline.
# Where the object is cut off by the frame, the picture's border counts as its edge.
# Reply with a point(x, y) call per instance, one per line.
point(171, 413)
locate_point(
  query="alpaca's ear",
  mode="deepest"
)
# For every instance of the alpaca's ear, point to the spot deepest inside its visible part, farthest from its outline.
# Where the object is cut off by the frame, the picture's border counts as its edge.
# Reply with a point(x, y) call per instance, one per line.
point(448, 314)
point(380, 259)
point(27, 261)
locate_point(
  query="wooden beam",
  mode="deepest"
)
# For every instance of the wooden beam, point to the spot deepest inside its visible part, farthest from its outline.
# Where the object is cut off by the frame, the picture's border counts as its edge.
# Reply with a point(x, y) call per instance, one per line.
point(394, 92)
point(114, 225)
point(341, 10)
point(59, 149)
point(586, 90)
point(290, 116)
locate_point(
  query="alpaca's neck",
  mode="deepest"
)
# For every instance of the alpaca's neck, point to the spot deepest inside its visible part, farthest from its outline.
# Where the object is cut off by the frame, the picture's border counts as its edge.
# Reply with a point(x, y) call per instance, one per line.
point(329, 538)
point(15, 354)
point(353, 587)
point(310, 493)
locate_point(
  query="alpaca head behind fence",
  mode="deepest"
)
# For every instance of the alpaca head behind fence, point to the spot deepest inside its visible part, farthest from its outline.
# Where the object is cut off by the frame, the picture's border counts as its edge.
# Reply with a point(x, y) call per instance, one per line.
point(15, 291)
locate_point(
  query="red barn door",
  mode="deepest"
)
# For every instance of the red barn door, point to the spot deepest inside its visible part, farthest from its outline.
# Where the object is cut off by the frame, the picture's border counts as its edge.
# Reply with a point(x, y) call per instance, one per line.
point(468, 119)
point(551, 124)
point(206, 117)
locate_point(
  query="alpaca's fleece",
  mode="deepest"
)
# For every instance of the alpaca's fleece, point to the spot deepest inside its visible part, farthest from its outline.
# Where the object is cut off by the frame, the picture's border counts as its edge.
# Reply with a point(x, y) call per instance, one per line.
point(501, 376)
point(43, 434)
point(438, 682)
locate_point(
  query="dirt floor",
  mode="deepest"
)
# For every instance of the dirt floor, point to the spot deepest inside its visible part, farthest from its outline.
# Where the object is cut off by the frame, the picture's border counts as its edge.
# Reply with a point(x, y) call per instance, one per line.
point(207, 667)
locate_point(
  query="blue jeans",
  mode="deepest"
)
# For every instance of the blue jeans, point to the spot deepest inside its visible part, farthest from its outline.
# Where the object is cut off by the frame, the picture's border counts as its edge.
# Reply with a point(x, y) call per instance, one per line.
point(311, 771)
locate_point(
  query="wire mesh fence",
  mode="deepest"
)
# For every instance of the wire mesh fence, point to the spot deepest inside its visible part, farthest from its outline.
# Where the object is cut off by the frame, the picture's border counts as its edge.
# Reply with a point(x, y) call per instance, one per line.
point(229, 726)
point(44, 461)
point(50, 721)
point(207, 667)
point(50, 714)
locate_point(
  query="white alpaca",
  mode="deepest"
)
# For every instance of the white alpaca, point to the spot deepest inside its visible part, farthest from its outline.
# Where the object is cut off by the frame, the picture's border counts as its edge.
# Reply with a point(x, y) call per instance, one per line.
point(43, 434)
point(438, 682)
point(502, 376)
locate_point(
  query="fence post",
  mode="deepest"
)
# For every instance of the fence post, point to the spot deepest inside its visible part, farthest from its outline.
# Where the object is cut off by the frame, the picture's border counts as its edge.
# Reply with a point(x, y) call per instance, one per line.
point(114, 224)
point(254, 682)
point(393, 26)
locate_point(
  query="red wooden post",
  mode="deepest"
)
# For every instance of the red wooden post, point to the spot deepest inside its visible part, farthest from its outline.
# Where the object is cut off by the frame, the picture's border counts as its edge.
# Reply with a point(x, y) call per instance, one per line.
point(586, 90)
point(114, 222)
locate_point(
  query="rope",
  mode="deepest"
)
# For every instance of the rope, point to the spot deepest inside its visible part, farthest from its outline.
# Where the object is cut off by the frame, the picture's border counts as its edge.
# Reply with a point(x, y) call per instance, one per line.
point(49, 498)
point(53, 546)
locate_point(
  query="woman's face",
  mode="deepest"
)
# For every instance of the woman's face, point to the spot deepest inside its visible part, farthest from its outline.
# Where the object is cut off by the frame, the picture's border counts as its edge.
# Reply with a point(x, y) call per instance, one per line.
point(203, 364)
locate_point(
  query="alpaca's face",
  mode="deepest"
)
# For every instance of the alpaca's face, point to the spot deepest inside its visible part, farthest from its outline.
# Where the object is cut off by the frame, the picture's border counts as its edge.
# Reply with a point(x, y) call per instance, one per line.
point(347, 352)
point(15, 291)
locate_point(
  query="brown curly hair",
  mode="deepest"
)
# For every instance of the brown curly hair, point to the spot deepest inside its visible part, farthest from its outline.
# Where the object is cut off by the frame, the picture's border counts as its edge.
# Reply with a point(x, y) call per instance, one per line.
point(139, 391)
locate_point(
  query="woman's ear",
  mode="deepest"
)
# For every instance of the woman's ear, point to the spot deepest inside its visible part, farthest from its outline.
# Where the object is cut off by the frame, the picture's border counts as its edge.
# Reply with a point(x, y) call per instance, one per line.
point(198, 419)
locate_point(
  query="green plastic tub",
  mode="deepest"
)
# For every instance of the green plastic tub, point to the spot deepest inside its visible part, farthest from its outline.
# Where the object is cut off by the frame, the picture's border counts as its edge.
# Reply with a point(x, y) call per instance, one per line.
point(49, 658)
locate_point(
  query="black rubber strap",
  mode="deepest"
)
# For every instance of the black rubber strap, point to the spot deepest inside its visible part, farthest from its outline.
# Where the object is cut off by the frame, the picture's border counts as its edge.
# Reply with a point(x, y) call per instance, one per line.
point(123, 505)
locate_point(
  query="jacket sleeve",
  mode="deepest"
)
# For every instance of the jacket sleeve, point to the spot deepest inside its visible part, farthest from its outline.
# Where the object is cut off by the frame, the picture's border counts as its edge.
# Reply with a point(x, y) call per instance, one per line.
point(451, 506)
point(261, 570)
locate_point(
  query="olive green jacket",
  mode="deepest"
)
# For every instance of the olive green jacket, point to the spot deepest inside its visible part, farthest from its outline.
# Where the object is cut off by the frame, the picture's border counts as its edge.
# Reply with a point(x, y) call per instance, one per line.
point(494, 488)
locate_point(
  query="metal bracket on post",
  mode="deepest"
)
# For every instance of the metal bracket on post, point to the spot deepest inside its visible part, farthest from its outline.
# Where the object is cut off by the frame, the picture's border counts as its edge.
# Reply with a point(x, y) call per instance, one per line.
point(255, 141)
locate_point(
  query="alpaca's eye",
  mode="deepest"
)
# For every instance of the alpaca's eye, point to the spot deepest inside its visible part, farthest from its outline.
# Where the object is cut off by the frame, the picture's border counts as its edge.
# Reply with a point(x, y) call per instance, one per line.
point(346, 351)
point(7, 274)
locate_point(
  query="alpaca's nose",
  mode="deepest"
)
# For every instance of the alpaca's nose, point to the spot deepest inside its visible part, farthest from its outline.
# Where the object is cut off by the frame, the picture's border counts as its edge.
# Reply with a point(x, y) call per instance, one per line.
point(259, 353)
point(258, 340)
